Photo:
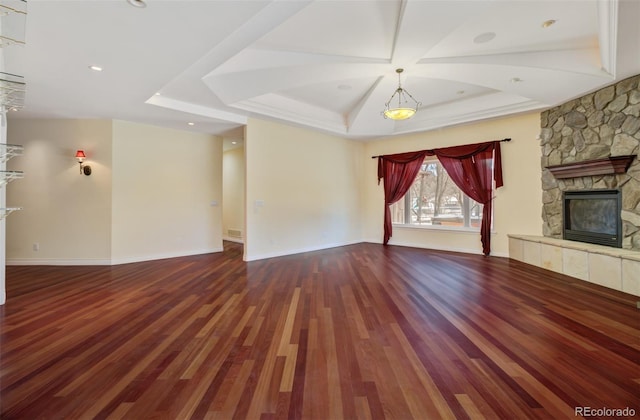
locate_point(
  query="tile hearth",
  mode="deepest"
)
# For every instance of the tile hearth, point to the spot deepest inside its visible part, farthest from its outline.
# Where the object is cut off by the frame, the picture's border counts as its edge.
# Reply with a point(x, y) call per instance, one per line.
point(615, 268)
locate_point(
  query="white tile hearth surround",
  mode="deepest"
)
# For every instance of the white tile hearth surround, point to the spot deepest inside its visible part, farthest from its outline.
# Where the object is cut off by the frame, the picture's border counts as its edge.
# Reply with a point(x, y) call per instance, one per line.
point(615, 268)
point(600, 125)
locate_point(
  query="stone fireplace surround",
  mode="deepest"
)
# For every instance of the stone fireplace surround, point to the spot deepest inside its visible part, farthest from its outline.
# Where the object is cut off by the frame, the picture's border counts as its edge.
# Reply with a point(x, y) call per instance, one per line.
point(600, 125)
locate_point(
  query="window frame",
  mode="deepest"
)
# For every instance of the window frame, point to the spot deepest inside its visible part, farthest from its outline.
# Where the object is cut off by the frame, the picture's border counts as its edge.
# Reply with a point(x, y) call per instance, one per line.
point(466, 200)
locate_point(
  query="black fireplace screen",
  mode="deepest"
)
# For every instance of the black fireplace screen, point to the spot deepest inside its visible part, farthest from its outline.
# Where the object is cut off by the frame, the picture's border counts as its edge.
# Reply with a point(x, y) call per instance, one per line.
point(593, 216)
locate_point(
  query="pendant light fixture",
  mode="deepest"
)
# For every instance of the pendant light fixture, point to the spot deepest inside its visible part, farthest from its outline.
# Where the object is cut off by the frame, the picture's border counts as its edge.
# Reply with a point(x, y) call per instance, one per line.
point(137, 3)
point(404, 108)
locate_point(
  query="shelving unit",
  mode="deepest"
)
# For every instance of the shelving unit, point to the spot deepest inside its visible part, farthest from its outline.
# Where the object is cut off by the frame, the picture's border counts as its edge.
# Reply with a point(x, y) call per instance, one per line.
point(7, 151)
point(13, 17)
point(13, 21)
point(8, 176)
point(12, 91)
point(5, 211)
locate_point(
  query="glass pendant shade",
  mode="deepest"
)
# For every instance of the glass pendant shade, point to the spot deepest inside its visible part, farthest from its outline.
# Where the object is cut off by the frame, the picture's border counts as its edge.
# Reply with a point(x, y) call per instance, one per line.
point(407, 105)
point(399, 113)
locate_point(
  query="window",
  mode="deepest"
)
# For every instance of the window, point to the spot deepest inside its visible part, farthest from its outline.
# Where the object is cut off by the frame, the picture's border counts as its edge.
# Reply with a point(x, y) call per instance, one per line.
point(434, 200)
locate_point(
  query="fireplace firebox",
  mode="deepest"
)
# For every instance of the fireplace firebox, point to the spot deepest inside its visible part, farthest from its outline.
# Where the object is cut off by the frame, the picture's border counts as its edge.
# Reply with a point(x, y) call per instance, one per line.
point(593, 216)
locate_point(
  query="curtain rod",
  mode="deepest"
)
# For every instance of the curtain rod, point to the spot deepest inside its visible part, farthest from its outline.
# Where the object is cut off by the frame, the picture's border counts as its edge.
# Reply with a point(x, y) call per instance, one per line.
point(503, 140)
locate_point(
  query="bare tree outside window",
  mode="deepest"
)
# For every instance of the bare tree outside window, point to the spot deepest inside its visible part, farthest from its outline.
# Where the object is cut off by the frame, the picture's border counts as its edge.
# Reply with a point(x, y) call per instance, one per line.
point(435, 200)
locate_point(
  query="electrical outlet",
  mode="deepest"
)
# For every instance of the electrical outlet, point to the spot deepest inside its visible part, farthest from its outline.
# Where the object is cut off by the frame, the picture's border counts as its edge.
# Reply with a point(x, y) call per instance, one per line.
point(36, 246)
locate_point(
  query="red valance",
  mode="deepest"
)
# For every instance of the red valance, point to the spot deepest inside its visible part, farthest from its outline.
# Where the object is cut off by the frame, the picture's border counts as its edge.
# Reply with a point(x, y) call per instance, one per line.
point(459, 152)
point(468, 166)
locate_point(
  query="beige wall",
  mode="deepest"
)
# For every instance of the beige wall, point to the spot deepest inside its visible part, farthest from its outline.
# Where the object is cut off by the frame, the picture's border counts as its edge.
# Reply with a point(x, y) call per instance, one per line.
point(302, 190)
point(167, 193)
point(149, 196)
point(517, 206)
point(67, 214)
point(233, 175)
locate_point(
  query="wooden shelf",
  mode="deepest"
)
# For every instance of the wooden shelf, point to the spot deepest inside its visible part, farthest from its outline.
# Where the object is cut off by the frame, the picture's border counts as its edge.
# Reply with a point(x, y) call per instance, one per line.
point(607, 166)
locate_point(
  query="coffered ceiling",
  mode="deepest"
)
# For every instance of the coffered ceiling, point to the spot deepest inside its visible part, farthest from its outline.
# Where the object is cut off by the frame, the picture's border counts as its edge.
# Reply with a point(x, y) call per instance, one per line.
point(328, 65)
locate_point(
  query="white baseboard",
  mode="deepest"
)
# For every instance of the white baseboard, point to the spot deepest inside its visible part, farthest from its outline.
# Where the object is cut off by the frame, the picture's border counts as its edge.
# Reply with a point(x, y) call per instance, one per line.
point(57, 261)
point(232, 239)
point(113, 261)
point(141, 258)
point(297, 251)
point(440, 248)
point(128, 260)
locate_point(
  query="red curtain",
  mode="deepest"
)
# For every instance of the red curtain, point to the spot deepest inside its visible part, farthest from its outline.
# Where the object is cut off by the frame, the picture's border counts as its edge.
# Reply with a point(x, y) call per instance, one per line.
point(468, 166)
point(399, 171)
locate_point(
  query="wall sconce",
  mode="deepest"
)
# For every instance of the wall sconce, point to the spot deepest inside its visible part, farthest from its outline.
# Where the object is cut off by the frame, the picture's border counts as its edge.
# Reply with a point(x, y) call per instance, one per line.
point(86, 169)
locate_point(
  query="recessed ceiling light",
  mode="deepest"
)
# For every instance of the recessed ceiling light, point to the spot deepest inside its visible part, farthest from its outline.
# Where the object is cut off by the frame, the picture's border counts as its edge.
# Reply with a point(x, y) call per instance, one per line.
point(234, 142)
point(548, 23)
point(95, 68)
point(190, 123)
point(157, 94)
point(137, 3)
point(516, 80)
point(485, 37)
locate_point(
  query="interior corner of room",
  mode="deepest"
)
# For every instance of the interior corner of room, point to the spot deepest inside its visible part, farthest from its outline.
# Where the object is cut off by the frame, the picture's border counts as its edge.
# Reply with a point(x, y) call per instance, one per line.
point(319, 209)
point(187, 176)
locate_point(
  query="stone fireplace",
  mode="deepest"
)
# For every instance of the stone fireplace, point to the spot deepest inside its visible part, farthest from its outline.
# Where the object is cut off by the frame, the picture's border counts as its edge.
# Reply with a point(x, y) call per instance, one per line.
point(590, 145)
point(595, 131)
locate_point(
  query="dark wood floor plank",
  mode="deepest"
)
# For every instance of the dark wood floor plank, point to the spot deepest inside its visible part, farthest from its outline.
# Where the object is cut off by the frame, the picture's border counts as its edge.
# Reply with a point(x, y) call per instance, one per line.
point(363, 331)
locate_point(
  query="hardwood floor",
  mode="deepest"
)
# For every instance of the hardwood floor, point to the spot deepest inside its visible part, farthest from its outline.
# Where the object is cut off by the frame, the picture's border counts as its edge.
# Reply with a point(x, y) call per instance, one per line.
point(362, 331)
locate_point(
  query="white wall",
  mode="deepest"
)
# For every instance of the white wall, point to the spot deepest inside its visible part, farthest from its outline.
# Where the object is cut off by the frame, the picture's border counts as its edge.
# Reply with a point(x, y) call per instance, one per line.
point(233, 176)
point(155, 204)
point(164, 184)
point(67, 214)
point(302, 190)
point(517, 206)
point(3, 204)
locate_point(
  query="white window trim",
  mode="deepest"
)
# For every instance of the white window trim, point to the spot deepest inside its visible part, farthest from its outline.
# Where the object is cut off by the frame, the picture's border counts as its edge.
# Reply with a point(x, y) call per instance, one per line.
point(440, 227)
point(455, 229)
point(436, 227)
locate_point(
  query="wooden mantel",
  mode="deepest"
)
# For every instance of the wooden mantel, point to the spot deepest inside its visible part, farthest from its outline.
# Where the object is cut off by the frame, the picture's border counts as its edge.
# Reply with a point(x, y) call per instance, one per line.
point(607, 166)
